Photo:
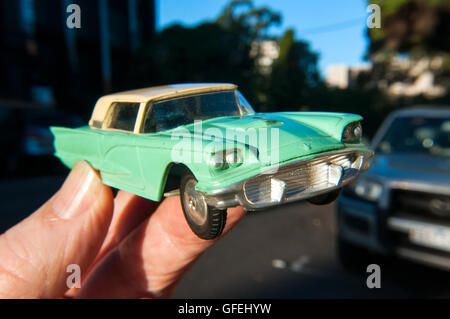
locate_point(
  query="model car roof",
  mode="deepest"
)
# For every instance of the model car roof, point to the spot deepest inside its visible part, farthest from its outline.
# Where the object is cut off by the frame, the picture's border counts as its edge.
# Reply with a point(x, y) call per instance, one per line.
point(143, 95)
point(155, 93)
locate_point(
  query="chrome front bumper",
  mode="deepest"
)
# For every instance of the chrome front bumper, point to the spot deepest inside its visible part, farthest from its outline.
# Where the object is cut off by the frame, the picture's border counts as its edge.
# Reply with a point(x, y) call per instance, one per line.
point(294, 181)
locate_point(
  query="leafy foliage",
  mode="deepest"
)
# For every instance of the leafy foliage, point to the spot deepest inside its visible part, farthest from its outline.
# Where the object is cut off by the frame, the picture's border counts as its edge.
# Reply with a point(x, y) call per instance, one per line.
point(219, 51)
point(413, 26)
point(294, 74)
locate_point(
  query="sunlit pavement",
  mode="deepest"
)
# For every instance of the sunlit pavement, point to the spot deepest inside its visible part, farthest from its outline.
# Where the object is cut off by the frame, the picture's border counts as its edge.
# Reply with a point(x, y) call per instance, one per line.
point(288, 252)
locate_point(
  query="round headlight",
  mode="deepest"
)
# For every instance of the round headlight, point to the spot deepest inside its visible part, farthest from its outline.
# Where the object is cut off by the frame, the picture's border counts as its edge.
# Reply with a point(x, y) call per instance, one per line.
point(234, 158)
point(352, 133)
point(357, 132)
point(224, 159)
point(217, 161)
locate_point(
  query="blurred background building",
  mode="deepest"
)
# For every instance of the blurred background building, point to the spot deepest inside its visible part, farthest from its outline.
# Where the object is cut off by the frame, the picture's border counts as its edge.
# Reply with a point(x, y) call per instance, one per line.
point(343, 76)
point(338, 75)
point(44, 61)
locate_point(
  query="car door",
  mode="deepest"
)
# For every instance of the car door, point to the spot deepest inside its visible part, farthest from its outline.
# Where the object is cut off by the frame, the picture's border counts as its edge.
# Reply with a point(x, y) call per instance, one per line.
point(155, 144)
point(120, 166)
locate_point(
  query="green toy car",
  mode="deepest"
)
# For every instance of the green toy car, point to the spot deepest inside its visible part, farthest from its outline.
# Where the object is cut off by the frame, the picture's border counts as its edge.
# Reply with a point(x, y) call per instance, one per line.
point(206, 143)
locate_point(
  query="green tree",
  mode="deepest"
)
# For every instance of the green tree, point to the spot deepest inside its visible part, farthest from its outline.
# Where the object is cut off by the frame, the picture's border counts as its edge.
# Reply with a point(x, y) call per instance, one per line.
point(224, 51)
point(204, 53)
point(417, 31)
point(241, 16)
point(416, 28)
point(294, 75)
point(217, 51)
point(411, 26)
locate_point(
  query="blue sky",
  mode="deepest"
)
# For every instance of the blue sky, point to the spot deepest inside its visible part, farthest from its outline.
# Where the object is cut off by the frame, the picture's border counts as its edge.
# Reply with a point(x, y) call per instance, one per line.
point(334, 28)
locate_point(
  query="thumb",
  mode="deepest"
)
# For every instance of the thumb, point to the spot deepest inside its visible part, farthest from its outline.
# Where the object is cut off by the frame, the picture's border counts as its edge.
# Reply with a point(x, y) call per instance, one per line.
point(68, 229)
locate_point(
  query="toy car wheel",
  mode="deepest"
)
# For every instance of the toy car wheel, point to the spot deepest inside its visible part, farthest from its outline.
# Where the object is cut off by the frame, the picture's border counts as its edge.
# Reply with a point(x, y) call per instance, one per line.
point(205, 221)
point(326, 198)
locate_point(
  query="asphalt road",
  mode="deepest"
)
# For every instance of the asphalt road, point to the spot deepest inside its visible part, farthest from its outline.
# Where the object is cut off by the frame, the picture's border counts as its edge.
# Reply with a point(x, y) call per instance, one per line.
point(287, 252)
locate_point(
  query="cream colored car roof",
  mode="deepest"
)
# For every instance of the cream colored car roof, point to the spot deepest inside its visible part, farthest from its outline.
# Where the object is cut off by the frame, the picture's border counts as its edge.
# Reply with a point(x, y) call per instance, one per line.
point(155, 93)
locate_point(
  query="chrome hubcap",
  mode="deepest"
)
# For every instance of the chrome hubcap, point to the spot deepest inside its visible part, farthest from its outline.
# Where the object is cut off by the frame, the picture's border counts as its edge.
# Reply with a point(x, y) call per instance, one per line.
point(195, 203)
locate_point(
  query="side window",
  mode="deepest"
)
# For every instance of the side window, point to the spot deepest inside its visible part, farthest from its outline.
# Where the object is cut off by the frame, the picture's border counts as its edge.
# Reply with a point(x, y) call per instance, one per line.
point(122, 116)
point(165, 115)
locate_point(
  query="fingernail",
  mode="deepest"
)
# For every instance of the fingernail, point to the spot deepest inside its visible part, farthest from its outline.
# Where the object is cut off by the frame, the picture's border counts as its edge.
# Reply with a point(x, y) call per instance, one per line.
point(78, 192)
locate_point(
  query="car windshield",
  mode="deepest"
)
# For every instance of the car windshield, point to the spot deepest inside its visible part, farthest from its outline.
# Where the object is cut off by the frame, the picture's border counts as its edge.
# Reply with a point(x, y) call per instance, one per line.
point(417, 134)
point(169, 114)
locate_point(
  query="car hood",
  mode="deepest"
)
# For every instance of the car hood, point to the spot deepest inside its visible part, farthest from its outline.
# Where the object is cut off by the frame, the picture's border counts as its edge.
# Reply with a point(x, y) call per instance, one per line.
point(281, 136)
point(411, 167)
point(278, 135)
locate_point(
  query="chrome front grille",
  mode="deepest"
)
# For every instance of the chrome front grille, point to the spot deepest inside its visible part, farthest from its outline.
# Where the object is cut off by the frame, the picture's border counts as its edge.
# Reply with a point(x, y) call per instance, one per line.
point(304, 178)
point(425, 205)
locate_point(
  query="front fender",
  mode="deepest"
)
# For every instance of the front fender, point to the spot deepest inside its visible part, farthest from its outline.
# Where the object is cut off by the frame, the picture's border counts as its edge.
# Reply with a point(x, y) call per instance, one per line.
point(332, 124)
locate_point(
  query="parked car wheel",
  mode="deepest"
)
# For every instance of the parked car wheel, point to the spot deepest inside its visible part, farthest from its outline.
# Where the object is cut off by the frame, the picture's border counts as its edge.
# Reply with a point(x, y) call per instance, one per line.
point(205, 221)
point(326, 198)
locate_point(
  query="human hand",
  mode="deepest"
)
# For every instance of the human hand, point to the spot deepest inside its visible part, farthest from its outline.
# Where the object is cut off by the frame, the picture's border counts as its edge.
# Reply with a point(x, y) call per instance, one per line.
point(126, 247)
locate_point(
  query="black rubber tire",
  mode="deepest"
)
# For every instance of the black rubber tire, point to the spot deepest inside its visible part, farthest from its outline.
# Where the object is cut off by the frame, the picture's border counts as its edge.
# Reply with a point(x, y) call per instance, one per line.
point(326, 198)
point(215, 221)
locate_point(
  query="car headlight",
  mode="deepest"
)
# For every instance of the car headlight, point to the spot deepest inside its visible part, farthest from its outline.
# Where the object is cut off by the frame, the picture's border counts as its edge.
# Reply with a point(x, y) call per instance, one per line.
point(352, 133)
point(367, 189)
point(224, 159)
